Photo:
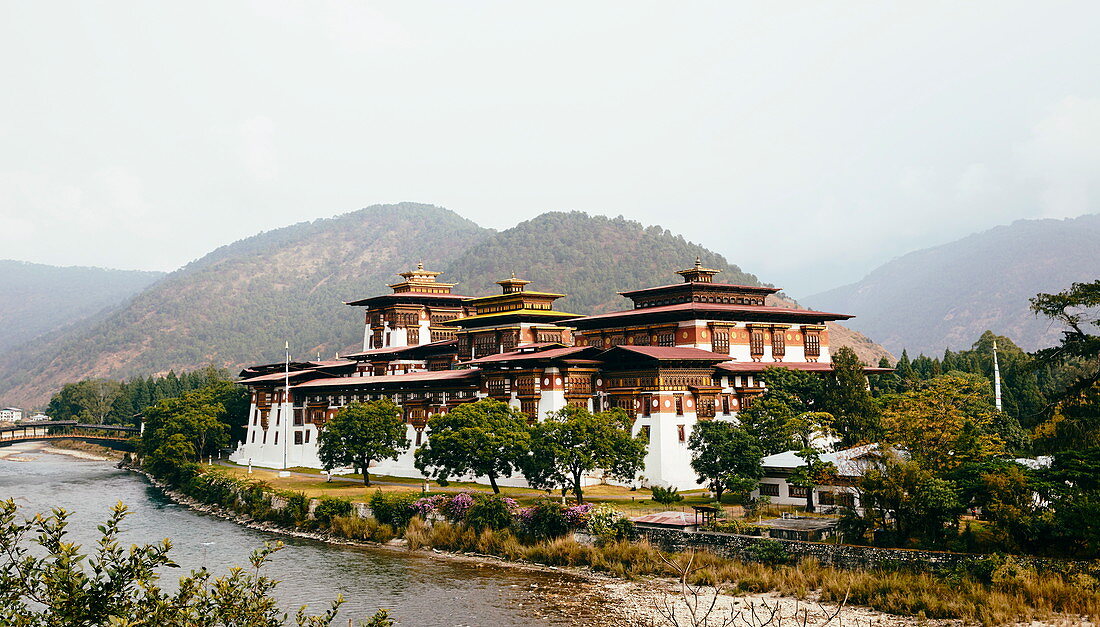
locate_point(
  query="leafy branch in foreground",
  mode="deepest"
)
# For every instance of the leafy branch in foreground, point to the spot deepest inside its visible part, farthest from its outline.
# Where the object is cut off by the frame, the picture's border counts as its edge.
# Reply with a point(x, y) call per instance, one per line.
point(56, 584)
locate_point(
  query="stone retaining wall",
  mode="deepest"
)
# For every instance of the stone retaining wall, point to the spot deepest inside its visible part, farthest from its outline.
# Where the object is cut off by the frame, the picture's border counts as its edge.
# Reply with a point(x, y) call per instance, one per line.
point(850, 556)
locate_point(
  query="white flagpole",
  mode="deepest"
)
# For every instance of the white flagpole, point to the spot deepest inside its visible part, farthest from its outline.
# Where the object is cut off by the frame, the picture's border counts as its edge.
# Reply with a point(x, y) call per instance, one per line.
point(996, 377)
point(288, 414)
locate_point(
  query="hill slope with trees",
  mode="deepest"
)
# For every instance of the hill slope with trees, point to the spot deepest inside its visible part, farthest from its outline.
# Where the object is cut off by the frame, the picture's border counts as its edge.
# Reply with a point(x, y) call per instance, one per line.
point(238, 304)
point(944, 297)
point(36, 298)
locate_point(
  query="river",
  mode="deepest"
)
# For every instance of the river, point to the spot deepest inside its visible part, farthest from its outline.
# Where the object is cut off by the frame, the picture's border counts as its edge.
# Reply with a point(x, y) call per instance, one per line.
point(417, 588)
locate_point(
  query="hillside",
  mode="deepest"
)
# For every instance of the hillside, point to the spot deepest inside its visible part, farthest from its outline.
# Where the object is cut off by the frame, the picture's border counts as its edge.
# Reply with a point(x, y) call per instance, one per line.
point(36, 298)
point(946, 296)
point(239, 303)
point(589, 258)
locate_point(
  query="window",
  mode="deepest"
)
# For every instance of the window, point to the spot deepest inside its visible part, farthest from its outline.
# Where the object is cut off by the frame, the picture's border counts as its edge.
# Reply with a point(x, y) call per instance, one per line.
point(846, 499)
point(813, 344)
point(307, 437)
point(725, 405)
point(529, 407)
point(779, 343)
point(263, 439)
point(646, 405)
point(666, 339)
point(826, 498)
point(679, 405)
point(297, 437)
point(419, 437)
point(253, 437)
point(681, 433)
point(413, 335)
point(756, 343)
point(276, 437)
point(769, 489)
point(298, 420)
point(797, 491)
point(721, 342)
point(644, 432)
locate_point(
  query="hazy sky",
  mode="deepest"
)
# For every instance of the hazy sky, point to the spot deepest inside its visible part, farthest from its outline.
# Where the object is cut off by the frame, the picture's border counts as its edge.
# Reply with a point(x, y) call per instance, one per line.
point(808, 142)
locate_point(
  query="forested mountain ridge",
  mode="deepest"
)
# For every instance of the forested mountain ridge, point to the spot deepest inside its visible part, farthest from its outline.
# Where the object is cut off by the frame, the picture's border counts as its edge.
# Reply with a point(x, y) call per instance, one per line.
point(588, 258)
point(36, 298)
point(944, 297)
point(238, 304)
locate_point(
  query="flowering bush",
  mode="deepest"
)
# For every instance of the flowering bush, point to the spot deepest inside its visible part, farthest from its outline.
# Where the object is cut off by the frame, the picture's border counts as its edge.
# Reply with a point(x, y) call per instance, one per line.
point(456, 507)
point(428, 504)
point(577, 516)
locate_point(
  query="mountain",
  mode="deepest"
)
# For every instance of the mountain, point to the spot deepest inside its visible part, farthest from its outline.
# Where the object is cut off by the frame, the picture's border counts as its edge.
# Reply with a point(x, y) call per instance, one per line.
point(238, 304)
point(36, 299)
point(946, 296)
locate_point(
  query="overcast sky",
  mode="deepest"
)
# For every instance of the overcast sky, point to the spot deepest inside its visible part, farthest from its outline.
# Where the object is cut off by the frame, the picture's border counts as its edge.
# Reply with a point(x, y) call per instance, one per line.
point(807, 142)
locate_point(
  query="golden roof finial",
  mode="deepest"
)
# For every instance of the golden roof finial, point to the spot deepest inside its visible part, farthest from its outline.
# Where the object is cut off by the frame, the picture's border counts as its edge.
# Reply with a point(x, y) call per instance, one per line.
point(513, 274)
point(698, 262)
point(420, 265)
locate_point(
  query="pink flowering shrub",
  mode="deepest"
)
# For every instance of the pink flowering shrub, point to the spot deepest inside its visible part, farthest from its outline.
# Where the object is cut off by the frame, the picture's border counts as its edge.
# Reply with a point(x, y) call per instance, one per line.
point(428, 504)
point(577, 516)
point(455, 508)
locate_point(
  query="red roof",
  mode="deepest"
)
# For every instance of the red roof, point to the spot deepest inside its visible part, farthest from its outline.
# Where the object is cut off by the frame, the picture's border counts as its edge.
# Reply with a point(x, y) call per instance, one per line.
point(747, 288)
point(723, 307)
point(412, 377)
point(671, 352)
point(397, 349)
point(276, 376)
point(403, 296)
point(760, 366)
point(523, 355)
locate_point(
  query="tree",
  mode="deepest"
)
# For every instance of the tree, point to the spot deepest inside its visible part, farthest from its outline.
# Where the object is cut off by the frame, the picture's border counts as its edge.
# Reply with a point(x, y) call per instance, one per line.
point(361, 433)
point(196, 416)
point(573, 442)
point(855, 416)
point(725, 456)
point(54, 584)
point(789, 394)
point(944, 422)
point(1073, 417)
point(484, 438)
point(899, 494)
point(89, 401)
point(805, 431)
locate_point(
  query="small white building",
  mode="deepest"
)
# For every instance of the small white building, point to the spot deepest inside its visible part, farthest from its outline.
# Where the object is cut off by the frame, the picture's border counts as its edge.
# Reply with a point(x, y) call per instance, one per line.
point(11, 414)
point(850, 465)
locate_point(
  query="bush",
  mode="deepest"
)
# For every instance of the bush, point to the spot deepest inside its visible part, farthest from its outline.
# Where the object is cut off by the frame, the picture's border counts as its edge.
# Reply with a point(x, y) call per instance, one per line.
point(395, 509)
point(609, 524)
point(296, 510)
point(768, 551)
point(358, 528)
point(666, 496)
point(544, 520)
point(490, 511)
point(456, 507)
point(329, 508)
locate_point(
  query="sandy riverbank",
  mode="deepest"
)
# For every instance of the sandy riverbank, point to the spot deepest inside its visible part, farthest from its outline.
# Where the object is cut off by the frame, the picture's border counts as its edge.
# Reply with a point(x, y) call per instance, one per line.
point(25, 452)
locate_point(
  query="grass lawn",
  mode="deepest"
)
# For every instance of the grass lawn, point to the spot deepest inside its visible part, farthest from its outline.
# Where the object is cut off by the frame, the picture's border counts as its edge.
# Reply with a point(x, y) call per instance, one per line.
point(312, 482)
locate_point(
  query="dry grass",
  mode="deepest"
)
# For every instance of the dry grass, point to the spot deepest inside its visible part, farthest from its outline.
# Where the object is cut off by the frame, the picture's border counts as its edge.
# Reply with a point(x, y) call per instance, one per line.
point(1017, 595)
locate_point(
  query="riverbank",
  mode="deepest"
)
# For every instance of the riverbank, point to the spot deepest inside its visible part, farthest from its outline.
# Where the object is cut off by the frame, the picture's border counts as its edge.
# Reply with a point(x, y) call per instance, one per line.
point(641, 602)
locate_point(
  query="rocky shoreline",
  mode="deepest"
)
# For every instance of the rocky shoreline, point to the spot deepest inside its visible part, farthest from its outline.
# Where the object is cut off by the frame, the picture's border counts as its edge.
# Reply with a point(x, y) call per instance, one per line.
point(634, 603)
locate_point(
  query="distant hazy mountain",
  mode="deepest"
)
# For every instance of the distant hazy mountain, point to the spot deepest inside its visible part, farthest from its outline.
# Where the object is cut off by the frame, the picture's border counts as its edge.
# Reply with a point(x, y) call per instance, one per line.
point(238, 304)
point(36, 298)
point(946, 296)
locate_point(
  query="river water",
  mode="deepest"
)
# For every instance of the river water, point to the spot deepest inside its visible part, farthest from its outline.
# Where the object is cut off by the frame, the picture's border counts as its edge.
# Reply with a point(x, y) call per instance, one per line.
point(417, 588)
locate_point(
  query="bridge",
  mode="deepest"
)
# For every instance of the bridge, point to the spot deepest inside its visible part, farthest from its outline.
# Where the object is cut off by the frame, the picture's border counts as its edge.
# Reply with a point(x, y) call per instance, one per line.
point(112, 436)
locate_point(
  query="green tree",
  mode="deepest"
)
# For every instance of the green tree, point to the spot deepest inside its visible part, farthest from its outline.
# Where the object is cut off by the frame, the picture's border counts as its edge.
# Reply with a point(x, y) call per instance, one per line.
point(484, 438)
point(904, 498)
point(573, 442)
point(945, 421)
point(806, 431)
point(197, 416)
point(846, 396)
point(725, 456)
point(45, 580)
point(790, 393)
point(361, 433)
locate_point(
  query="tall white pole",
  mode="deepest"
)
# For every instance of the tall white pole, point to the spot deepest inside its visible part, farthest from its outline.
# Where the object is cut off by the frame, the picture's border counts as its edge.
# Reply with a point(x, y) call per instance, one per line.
point(288, 408)
point(996, 377)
